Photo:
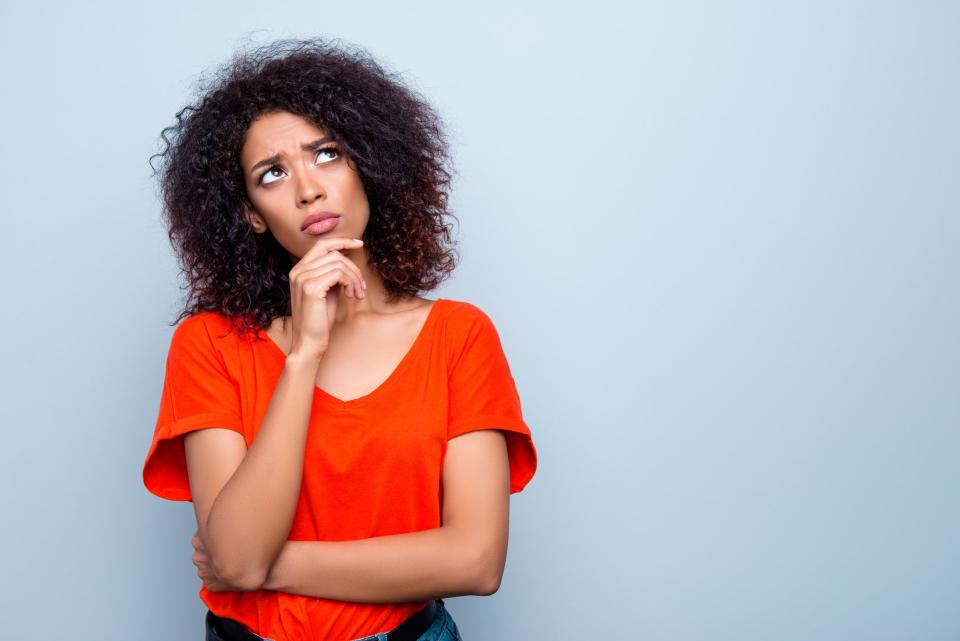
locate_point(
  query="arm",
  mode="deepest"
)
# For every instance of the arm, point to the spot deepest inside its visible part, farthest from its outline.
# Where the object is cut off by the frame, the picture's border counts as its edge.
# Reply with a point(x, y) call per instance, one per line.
point(465, 555)
point(245, 500)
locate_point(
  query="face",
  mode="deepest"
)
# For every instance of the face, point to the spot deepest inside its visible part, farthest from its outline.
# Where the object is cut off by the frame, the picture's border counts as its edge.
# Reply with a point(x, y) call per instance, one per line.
point(291, 172)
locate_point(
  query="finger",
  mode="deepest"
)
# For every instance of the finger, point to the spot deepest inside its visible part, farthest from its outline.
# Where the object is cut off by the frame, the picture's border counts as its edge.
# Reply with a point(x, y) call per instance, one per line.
point(324, 245)
point(359, 284)
point(318, 285)
point(330, 257)
point(339, 275)
point(329, 279)
point(352, 281)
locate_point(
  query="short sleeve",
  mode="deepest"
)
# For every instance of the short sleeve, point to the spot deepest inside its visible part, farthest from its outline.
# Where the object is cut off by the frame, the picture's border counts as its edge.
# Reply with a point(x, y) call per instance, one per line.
point(482, 391)
point(197, 393)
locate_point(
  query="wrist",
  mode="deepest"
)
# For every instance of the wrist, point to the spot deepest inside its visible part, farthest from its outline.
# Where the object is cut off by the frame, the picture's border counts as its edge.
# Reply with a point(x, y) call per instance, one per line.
point(302, 361)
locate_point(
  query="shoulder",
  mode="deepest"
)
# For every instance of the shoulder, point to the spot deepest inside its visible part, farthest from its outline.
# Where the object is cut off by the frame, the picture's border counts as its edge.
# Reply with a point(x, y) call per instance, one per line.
point(462, 318)
point(202, 323)
point(468, 328)
point(204, 330)
point(461, 312)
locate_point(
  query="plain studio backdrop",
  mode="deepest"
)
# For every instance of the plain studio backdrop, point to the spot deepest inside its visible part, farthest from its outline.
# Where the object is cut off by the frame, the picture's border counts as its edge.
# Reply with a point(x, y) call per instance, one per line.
point(719, 242)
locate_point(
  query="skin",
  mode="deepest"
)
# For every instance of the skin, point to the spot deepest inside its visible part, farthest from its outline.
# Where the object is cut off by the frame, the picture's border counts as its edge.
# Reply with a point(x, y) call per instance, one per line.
point(371, 336)
point(367, 339)
point(306, 181)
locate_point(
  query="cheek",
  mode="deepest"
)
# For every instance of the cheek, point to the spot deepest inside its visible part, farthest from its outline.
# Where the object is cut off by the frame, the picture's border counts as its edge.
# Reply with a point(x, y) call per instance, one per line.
point(268, 201)
point(358, 194)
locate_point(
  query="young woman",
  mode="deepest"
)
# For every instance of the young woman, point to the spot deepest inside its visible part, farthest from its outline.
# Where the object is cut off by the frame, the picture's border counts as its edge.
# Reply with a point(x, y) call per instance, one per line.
point(349, 446)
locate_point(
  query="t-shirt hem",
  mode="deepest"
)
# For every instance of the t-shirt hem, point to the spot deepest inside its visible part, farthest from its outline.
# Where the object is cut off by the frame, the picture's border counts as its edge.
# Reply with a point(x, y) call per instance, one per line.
point(153, 474)
point(520, 447)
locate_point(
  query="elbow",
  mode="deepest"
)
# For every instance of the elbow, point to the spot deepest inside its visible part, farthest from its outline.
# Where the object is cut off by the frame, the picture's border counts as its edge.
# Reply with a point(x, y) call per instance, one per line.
point(488, 584)
point(239, 571)
point(486, 570)
point(241, 579)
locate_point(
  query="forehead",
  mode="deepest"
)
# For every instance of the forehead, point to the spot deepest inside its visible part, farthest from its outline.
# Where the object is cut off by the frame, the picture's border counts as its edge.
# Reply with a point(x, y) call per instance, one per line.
point(277, 133)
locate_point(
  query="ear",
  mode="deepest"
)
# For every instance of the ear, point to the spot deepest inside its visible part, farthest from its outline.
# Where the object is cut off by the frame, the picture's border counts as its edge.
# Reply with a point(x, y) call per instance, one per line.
point(256, 220)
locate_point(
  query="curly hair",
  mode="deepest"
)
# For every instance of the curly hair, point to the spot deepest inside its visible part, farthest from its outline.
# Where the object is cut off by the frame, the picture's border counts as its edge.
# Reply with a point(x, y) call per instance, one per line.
point(395, 138)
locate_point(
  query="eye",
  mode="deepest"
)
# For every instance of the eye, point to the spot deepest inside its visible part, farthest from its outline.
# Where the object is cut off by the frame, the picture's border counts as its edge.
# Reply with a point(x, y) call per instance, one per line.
point(270, 172)
point(335, 151)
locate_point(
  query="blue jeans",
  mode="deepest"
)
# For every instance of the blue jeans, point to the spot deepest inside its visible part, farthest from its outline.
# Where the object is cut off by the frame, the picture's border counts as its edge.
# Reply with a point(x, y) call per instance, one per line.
point(443, 628)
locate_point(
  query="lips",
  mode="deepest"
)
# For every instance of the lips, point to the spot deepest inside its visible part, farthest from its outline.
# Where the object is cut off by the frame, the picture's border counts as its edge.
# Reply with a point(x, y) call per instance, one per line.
point(315, 218)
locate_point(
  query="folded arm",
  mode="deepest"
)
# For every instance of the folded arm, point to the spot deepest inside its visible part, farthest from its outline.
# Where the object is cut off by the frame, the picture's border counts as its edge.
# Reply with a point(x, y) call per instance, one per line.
point(465, 555)
point(244, 498)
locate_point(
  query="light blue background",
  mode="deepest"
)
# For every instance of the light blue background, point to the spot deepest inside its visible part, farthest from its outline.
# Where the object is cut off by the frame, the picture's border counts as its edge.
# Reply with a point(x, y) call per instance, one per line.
point(719, 241)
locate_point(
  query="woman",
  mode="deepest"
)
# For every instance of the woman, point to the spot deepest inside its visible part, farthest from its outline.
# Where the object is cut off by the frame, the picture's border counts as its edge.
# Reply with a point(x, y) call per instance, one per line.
point(348, 445)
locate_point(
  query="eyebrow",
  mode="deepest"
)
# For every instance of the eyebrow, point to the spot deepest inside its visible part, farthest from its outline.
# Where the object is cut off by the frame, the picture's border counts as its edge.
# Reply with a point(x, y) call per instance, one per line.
point(310, 146)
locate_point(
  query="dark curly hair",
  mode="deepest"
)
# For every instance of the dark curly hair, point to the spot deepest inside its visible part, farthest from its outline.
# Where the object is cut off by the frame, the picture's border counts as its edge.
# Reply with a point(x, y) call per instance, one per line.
point(395, 138)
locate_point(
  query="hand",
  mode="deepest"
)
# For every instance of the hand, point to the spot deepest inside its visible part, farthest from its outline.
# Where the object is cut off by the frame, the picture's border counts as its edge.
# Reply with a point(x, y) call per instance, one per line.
point(201, 559)
point(313, 297)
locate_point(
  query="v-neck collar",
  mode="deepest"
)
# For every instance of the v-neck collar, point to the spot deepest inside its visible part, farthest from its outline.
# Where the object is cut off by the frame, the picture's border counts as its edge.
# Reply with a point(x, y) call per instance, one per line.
point(388, 382)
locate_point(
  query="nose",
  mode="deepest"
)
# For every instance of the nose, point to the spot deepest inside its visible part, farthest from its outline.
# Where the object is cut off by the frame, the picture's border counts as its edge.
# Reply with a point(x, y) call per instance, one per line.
point(309, 188)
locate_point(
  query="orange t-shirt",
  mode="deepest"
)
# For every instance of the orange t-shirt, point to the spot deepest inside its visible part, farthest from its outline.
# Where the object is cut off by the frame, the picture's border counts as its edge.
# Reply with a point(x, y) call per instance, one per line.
point(372, 465)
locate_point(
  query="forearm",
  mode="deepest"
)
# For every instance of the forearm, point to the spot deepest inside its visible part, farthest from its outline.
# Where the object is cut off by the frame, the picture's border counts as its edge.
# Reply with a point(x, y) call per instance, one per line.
point(250, 519)
point(414, 566)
